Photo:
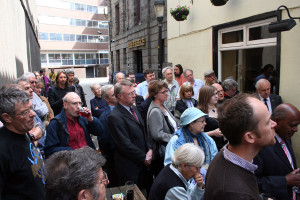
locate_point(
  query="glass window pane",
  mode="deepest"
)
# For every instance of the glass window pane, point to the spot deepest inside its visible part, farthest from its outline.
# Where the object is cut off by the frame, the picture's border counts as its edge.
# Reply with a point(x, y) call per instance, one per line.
point(66, 37)
point(57, 56)
point(72, 37)
point(64, 62)
point(95, 9)
point(232, 37)
point(90, 8)
point(70, 62)
point(261, 32)
point(90, 23)
point(72, 5)
point(78, 38)
point(77, 6)
point(84, 38)
point(245, 65)
point(51, 56)
point(72, 22)
point(83, 22)
point(52, 36)
point(43, 36)
point(59, 36)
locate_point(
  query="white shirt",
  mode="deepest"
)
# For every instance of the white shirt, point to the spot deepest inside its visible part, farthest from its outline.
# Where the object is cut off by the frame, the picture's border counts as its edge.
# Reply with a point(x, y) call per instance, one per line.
point(268, 103)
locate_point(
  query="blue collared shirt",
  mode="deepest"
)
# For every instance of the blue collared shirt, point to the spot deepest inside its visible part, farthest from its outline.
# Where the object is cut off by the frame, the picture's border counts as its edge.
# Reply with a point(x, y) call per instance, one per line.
point(196, 87)
point(235, 159)
point(142, 89)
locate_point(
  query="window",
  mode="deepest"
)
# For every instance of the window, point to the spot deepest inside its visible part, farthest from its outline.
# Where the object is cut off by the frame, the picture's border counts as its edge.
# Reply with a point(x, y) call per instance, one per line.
point(67, 59)
point(91, 58)
point(103, 24)
point(79, 59)
point(243, 51)
point(104, 58)
point(54, 59)
point(137, 12)
point(52, 36)
point(44, 59)
point(117, 9)
point(43, 36)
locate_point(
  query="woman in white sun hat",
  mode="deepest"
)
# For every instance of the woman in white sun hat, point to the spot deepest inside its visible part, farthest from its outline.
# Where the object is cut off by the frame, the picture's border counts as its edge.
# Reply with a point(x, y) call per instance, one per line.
point(193, 123)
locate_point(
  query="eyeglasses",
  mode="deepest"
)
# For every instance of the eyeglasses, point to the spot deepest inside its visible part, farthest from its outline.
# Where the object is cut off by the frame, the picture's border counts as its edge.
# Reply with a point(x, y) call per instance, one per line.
point(105, 179)
point(163, 92)
point(131, 94)
point(74, 103)
point(32, 82)
point(202, 121)
point(25, 112)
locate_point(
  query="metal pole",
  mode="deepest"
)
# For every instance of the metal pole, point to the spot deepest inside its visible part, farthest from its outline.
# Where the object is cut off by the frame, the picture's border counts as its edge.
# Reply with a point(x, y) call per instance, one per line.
point(160, 50)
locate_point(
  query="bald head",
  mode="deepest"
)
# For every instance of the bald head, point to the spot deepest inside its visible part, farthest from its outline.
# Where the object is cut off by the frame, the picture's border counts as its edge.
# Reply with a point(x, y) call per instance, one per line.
point(119, 77)
point(287, 118)
point(263, 88)
point(69, 96)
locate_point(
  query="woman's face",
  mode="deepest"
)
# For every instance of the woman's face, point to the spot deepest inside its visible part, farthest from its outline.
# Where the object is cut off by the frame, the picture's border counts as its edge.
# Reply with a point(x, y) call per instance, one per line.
point(188, 94)
point(162, 95)
point(214, 98)
point(198, 125)
point(38, 89)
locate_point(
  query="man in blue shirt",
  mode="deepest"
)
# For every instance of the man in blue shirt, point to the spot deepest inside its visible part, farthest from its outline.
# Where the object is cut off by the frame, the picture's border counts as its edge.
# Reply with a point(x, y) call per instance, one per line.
point(142, 88)
point(196, 83)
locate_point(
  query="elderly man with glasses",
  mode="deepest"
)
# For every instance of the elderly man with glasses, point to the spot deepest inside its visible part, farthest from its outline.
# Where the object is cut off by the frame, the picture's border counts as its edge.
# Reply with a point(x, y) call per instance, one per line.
point(71, 128)
point(21, 163)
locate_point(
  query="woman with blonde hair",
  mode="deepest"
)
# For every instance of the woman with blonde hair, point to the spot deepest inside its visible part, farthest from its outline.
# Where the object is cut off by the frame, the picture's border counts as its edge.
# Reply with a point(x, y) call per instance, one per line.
point(207, 103)
point(186, 101)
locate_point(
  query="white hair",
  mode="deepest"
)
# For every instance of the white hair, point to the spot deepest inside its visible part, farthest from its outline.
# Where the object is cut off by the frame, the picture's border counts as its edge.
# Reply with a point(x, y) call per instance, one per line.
point(188, 153)
point(257, 84)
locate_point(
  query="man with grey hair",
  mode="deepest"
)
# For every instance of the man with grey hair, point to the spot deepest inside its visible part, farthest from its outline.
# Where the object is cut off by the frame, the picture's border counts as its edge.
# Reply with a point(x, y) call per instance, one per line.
point(40, 107)
point(210, 77)
point(263, 89)
point(106, 144)
point(77, 87)
point(119, 77)
point(173, 88)
point(71, 128)
point(21, 163)
point(76, 174)
point(196, 83)
point(230, 88)
point(133, 151)
point(98, 104)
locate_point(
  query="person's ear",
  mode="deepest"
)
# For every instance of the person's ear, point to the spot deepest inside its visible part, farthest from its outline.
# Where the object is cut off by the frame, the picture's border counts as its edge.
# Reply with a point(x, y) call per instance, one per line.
point(84, 195)
point(6, 117)
point(249, 137)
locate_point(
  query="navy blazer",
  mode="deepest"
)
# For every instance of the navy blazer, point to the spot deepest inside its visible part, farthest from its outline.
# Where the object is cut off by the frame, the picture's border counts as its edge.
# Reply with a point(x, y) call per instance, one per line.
point(275, 100)
point(131, 143)
point(273, 166)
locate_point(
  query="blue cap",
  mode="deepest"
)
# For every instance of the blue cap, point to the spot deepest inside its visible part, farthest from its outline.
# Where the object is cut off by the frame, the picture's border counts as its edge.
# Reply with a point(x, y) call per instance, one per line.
point(190, 115)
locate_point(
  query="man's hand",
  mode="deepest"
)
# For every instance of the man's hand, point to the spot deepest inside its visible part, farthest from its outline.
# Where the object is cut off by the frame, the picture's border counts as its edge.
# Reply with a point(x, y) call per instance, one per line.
point(293, 178)
point(148, 157)
point(90, 117)
point(198, 179)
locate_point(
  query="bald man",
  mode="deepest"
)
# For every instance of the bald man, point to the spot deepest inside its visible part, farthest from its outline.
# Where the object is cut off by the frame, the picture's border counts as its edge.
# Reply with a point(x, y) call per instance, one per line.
point(277, 171)
point(69, 130)
point(263, 89)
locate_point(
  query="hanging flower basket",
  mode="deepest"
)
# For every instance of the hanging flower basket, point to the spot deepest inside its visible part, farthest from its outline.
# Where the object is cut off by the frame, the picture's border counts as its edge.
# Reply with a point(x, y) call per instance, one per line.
point(218, 2)
point(180, 13)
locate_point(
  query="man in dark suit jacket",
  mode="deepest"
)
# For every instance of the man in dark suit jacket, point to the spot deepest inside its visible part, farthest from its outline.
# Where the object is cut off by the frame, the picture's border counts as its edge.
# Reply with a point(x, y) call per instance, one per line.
point(263, 88)
point(133, 151)
point(277, 167)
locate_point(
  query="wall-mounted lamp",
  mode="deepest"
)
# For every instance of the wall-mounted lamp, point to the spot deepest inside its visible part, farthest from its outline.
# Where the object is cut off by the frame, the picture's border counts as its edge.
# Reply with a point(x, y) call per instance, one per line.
point(282, 25)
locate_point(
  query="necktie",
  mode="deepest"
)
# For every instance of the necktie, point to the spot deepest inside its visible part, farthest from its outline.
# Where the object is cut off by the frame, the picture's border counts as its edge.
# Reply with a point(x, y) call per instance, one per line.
point(265, 100)
point(134, 114)
point(283, 145)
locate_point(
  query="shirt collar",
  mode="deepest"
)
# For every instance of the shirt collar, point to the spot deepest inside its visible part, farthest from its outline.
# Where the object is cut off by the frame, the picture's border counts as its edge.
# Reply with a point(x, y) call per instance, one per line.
point(235, 159)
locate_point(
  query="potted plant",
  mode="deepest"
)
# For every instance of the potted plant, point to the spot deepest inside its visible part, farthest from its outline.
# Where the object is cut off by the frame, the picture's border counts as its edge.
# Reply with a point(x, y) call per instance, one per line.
point(218, 2)
point(180, 13)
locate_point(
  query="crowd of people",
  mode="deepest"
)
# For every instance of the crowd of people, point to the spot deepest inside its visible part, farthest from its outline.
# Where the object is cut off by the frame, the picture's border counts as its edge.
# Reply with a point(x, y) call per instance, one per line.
point(176, 138)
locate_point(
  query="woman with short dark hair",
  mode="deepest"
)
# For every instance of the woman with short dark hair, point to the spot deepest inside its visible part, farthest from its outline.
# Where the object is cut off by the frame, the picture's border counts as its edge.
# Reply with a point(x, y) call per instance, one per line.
point(161, 124)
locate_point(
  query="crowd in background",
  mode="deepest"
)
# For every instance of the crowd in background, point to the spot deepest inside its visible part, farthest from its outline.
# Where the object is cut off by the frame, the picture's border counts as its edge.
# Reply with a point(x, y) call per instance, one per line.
point(176, 138)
